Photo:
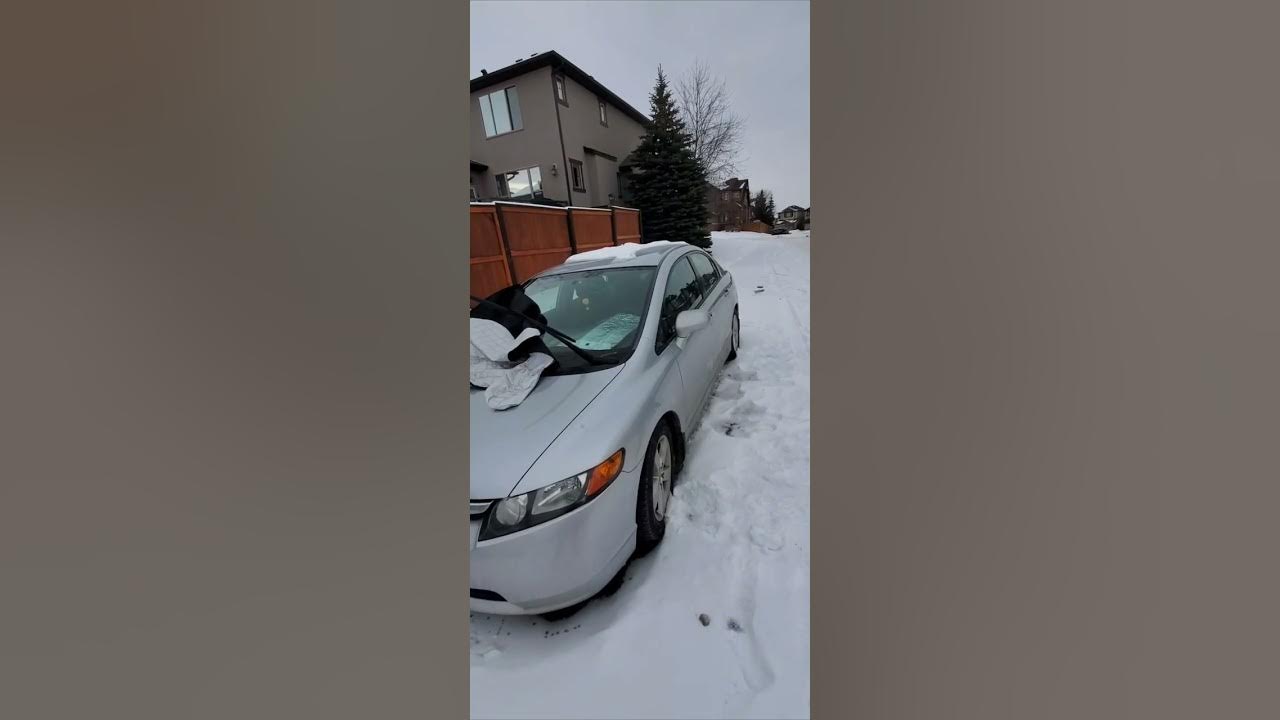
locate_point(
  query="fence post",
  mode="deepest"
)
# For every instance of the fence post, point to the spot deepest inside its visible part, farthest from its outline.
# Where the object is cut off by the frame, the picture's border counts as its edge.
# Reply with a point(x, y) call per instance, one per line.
point(613, 225)
point(506, 247)
point(573, 241)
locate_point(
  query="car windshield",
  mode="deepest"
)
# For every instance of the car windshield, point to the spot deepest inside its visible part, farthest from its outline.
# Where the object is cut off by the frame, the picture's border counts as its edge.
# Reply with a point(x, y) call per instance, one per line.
point(602, 310)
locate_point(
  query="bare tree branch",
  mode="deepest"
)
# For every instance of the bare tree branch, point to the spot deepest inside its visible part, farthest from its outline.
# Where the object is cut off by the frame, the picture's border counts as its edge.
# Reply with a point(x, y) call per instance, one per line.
point(716, 130)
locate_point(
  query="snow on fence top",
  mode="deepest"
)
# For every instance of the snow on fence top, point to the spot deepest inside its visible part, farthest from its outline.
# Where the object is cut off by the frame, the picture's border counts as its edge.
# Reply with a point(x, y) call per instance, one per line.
point(626, 251)
point(491, 203)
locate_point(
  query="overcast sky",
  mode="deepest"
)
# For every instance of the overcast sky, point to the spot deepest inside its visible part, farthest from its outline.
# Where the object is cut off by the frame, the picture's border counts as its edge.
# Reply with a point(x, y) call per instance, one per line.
point(760, 49)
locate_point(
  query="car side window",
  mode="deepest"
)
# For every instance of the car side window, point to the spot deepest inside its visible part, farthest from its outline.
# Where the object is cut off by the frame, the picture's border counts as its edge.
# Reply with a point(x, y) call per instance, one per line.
point(706, 270)
point(682, 293)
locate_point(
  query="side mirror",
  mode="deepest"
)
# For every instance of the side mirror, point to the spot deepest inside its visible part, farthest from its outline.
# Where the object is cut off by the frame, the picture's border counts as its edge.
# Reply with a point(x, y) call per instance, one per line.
point(691, 321)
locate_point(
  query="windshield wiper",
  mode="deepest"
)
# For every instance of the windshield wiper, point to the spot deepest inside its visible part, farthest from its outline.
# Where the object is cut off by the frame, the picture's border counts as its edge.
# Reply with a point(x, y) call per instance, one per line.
point(564, 339)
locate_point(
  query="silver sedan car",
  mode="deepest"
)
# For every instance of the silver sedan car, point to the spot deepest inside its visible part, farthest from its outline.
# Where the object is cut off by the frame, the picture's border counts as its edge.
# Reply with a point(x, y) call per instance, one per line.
point(572, 483)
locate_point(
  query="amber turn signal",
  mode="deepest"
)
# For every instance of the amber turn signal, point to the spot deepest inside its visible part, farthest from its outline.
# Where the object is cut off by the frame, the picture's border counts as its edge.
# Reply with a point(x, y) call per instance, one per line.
point(604, 473)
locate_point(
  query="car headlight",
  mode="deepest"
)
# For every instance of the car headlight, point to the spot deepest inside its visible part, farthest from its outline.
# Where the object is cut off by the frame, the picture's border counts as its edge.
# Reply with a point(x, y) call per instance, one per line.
point(519, 512)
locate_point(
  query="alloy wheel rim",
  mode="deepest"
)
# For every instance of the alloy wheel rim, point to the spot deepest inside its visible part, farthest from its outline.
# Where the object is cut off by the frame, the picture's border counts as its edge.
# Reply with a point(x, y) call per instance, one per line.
point(661, 477)
point(736, 341)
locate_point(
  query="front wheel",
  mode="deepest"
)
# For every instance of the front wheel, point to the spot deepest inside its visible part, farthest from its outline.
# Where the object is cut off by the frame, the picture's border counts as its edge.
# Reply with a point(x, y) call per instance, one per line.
point(654, 498)
point(735, 337)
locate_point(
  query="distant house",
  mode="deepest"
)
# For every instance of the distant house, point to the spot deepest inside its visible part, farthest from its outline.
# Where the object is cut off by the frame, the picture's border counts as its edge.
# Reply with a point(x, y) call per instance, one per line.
point(544, 131)
point(795, 216)
point(729, 205)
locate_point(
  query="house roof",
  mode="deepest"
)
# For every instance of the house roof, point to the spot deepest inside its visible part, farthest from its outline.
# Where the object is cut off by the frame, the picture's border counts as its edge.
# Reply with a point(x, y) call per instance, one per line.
point(556, 61)
point(792, 207)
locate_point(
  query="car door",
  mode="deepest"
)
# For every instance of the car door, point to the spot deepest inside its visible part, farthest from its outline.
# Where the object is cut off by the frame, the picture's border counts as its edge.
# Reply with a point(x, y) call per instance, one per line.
point(715, 288)
point(683, 291)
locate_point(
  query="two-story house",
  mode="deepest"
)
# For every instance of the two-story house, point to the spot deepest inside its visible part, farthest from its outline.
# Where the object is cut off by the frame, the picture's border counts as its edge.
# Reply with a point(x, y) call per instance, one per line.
point(729, 205)
point(542, 129)
point(795, 215)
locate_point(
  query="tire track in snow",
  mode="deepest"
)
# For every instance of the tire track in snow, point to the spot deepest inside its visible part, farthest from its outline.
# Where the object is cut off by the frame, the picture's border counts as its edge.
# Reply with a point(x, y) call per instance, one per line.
point(765, 367)
point(802, 326)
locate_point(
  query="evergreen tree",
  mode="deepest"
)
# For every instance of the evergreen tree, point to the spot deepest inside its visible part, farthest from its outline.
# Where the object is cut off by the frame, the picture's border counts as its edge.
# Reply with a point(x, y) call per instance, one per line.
point(762, 206)
point(770, 210)
point(759, 204)
point(670, 186)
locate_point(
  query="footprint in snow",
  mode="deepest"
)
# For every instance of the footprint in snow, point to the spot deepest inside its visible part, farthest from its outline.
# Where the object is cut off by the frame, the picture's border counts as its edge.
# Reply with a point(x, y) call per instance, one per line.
point(764, 539)
point(729, 390)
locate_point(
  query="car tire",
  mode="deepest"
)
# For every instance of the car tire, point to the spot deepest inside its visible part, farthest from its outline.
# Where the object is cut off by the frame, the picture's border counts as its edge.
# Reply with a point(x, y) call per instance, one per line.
point(657, 478)
point(735, 337)
point(565, 613)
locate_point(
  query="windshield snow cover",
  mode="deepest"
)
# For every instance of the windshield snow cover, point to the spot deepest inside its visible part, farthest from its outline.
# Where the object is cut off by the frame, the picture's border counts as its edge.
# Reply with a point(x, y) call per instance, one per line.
point(609, 333)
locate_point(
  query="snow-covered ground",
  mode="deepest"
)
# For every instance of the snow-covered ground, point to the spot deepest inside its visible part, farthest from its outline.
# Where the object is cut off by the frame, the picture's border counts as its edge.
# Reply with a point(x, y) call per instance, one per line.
point(736, 550)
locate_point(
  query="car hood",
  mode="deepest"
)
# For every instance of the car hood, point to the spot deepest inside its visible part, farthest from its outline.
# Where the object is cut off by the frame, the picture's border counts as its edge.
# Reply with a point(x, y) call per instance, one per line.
point(506, 443)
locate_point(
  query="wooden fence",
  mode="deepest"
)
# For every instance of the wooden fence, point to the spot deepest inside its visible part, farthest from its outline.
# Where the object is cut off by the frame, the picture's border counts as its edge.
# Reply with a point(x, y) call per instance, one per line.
point(511, 242)
point(626, 225)
point(489, 265)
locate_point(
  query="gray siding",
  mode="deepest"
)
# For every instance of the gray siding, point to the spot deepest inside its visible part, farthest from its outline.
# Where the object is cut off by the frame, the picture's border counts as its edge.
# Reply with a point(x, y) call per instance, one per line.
point(582, 128)
point(538, 144)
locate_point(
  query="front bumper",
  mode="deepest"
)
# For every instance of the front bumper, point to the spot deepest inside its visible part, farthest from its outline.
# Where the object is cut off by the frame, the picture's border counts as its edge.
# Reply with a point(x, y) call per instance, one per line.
point(561, 562)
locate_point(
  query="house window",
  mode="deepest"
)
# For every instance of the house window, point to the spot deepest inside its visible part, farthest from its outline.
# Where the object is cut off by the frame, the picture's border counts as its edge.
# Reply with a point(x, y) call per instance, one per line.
point(624, 188)
point(604, 120)
point(526, 183)
point(576, 175)
point(561, 94)
point(501, 112)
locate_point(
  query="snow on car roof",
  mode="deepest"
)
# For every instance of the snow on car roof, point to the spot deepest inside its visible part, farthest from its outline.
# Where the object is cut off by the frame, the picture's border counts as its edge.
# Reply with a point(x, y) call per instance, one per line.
point(627, 251)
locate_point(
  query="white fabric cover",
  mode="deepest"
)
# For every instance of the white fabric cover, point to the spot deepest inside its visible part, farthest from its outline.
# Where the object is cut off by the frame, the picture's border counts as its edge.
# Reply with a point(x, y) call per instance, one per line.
point(506, 384)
